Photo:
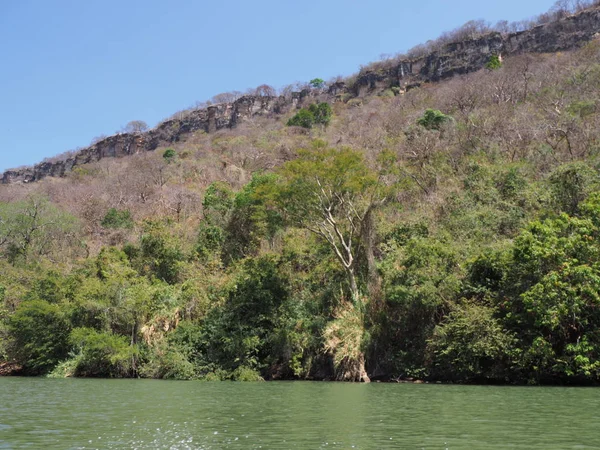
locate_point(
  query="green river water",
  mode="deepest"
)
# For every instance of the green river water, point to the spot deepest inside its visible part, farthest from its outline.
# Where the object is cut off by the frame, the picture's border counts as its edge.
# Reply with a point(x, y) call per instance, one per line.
point(38, 413)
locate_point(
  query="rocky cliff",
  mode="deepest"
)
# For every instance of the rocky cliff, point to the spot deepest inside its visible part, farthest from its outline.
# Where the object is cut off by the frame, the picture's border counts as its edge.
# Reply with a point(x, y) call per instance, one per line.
point(472, 55)
point(451, 59)
point(209, 120)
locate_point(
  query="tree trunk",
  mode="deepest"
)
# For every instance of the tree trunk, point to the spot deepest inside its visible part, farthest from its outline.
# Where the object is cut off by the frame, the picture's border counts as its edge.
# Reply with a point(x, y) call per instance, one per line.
point(353, 369)
point(353, 285)
point(361, 367)
point(368, 238)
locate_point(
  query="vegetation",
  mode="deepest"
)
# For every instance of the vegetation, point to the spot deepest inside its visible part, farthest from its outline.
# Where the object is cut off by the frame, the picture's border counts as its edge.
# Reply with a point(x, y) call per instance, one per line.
point(135, 126)
point(117, 219)
point(317, 83)
point(315, 114)
point(447, 233)
point(169, 154)
point(494, 63)
point(433, 119)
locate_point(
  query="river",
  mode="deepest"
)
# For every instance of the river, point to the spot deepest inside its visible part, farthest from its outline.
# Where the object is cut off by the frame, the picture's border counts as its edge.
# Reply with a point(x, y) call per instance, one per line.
point(38, 413)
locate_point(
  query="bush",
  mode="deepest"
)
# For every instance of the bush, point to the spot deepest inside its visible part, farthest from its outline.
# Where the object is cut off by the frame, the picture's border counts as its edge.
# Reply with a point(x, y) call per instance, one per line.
point(244, 373)
point(570, 184)
point(115, 218)
point(102, 354)
point(169, 154)
point(303, 118)
point(433, 119)
point(471, 345)
point(317, 83)
point(494, 62)
point(322, 113)
point(39, 333)
point(64, 369)
point(160, 253)
point(316, 114)
point(168, 363)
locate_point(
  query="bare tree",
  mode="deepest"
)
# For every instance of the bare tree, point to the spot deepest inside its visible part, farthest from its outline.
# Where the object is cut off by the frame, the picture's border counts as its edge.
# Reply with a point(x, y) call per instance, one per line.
point(264, 90)
point(135, 126)
point(226, 97)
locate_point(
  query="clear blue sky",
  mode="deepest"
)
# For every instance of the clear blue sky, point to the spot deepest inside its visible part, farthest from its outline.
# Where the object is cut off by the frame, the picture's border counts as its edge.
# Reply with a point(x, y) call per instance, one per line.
point(75, 69)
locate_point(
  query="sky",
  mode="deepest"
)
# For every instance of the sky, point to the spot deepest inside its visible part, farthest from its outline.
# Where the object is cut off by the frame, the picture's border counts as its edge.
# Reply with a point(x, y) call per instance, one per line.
point(71, 70)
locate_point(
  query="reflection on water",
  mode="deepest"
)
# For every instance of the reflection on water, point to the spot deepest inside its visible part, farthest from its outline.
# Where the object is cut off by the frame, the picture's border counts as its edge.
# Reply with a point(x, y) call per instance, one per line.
point(106, 414)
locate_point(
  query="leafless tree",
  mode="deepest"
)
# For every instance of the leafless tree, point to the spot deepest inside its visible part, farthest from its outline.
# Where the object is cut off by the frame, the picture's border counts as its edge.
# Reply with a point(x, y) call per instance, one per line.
point(264, 90)
point(226, 97)
point(135, 126)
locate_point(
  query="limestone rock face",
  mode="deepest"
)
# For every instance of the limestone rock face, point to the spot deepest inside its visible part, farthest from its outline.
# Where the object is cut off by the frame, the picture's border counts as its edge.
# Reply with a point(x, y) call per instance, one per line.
point(452, 59)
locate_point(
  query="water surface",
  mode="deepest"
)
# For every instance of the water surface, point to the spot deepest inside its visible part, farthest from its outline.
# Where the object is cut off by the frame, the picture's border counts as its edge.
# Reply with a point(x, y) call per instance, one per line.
point(38, 413)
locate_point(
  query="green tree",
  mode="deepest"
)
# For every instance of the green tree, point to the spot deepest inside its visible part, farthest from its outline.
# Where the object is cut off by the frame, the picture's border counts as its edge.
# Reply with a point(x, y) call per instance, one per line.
point(317, 83)
point(217, 210)
point(251, 219)
point(240, 332)
point(101, 354)
point(570, 184)
point(333, 193)
point(303, 118)
point(316, 114)
point(321, 112)
point(433, 119)
point(160, 252)
point(217, 203)
point(550, 296)
point(39, 336)
point(471, 345)
point(116, 218)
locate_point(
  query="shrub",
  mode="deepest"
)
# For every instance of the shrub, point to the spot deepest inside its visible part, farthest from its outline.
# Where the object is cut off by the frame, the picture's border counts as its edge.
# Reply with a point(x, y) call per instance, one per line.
point(494, 62)
point(168, 363)
point(433, 119)
point(244, 373)
point(570, 184)
point(116, 218)
point(160, 252)
point(471, 345)
point(102, 354)
point(321, 112)
point(316, 114)
point(39, 335)
point(317, 83)
point(303, 118)
point(169, 154)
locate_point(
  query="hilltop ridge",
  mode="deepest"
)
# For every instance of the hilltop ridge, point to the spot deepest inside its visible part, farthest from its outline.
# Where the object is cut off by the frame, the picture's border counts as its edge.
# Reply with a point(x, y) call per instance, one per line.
point(451, 59)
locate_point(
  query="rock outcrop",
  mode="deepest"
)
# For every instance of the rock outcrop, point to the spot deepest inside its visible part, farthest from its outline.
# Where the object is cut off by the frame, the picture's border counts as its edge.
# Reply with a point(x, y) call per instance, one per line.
point(209, 120)
point(450, 60)
point(472, 55)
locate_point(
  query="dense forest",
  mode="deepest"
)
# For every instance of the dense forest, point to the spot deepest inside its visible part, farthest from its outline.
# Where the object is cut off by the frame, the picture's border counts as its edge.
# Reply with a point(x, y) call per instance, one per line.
point(446, 233)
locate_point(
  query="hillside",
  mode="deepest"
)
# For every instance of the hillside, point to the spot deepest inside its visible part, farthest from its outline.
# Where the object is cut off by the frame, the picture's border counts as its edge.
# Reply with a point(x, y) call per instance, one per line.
point(451, 59)
point(435, 218)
